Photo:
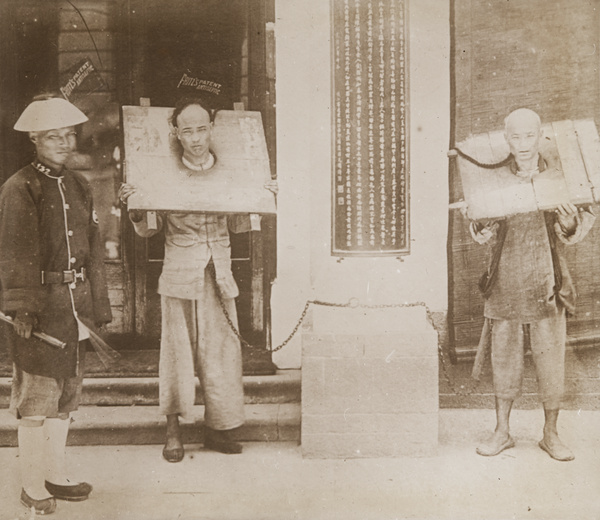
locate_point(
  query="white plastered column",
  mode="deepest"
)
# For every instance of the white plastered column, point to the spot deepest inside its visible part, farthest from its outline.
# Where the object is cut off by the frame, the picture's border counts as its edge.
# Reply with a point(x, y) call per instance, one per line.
point(306, 269)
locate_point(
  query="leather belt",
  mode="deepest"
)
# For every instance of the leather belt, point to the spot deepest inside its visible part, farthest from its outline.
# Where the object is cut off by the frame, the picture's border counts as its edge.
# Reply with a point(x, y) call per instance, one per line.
point(68, 276)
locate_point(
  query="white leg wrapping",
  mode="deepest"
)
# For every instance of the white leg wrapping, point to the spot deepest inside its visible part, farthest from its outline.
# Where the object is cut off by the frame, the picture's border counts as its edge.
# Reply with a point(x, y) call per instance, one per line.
point(32, 460)
point(55, 441)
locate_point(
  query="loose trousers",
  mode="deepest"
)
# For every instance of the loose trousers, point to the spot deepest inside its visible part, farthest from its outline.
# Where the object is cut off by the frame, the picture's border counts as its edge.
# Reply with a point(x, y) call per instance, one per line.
point(197, 340)
point(547, 338)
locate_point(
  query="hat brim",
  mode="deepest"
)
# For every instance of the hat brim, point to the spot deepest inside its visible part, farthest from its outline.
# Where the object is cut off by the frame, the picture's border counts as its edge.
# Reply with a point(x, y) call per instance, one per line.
point(49, 114)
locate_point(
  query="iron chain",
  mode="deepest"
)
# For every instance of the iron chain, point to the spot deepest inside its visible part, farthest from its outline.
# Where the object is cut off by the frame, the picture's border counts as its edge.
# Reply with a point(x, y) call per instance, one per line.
point(354, 303)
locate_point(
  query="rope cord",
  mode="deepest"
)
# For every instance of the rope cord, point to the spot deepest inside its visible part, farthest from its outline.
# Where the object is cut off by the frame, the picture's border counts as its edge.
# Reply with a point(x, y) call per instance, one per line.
point(487, 166)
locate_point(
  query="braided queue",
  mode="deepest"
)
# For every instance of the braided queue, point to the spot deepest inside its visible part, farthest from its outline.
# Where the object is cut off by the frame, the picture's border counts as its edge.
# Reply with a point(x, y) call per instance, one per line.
point(488, 166)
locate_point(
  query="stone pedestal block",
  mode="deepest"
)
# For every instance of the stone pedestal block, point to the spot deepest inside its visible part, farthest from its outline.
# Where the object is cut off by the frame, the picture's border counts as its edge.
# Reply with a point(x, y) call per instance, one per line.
point(371, 394)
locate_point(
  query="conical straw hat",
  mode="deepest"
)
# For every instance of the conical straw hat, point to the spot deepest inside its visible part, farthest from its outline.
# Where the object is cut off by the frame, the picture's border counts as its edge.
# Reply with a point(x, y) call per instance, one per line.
point(49, 114)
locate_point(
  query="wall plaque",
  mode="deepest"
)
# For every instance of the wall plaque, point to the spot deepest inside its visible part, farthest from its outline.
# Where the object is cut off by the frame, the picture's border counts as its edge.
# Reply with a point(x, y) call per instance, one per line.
point(370, 148)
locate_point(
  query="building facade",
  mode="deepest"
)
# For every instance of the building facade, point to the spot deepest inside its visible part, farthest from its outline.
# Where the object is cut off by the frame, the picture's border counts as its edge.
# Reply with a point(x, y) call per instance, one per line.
point(433, 72)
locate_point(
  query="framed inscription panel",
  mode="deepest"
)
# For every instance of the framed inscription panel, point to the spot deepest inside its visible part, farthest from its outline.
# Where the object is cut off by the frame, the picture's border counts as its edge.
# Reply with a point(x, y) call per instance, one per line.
point(235, 184)
point(370, 144)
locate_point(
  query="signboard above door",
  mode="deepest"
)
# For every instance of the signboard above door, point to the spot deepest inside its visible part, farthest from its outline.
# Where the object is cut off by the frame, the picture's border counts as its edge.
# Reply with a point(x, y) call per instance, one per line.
point(235, 184)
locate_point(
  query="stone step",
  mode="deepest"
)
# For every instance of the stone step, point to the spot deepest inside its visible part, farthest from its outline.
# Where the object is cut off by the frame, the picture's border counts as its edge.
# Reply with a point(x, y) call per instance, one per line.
point(131, 425)
point(282, 387)
point(143, 362)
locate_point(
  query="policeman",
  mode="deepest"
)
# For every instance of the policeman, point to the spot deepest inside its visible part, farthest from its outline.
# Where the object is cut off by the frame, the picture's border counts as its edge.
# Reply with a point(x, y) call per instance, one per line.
point(52, 280)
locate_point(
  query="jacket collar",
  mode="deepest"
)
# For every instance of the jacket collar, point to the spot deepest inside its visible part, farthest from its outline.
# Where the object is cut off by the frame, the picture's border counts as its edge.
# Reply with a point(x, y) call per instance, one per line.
point(47, 170)
point(541, 166)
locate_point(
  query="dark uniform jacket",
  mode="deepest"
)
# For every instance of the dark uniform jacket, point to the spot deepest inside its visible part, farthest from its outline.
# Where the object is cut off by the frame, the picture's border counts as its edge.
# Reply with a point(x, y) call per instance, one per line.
point(48, 224)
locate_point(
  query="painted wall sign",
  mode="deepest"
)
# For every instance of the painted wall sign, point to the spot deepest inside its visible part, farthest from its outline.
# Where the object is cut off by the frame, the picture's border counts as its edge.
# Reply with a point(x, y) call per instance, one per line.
point(370, 148)
point(81, 79)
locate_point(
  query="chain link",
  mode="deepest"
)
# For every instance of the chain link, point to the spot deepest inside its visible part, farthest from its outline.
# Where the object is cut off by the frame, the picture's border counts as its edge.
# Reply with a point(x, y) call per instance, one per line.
point(354, 303)
point(244, 343)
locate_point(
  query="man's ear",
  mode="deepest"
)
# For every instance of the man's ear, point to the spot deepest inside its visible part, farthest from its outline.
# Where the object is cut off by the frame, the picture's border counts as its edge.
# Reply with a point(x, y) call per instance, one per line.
point(33, 137)
point(173, 130)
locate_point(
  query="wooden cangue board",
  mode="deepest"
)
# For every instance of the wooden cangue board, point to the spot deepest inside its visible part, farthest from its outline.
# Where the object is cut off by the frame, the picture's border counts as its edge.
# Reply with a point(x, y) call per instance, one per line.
point(572, 152)
point(235, 184)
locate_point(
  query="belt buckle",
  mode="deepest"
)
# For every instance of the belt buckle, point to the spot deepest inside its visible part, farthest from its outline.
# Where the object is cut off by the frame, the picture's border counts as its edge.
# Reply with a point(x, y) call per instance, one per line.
point(69, 276)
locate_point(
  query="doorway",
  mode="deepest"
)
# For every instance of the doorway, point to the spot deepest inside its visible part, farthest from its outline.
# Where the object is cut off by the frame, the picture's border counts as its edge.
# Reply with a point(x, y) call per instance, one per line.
point(170, 48)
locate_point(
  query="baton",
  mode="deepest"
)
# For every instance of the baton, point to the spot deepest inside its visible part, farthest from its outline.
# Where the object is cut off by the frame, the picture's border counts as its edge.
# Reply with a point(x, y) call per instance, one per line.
point(50, 340)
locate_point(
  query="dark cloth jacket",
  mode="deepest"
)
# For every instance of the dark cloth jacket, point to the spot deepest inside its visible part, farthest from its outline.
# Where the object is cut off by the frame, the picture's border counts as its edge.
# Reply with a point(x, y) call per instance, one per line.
point(528, 278)
point(41, 231)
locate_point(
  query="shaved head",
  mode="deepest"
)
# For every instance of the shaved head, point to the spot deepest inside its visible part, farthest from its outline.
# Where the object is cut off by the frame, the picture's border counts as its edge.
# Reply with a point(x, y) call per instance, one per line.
point(522, 116)
point(523, 131)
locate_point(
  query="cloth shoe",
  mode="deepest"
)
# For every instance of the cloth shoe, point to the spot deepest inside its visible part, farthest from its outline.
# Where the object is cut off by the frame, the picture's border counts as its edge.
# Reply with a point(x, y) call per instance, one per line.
point(221, 441)
point(47, 506)
point(173, 455)
point(491, 449)
point(558, 452)
point(74, 493)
